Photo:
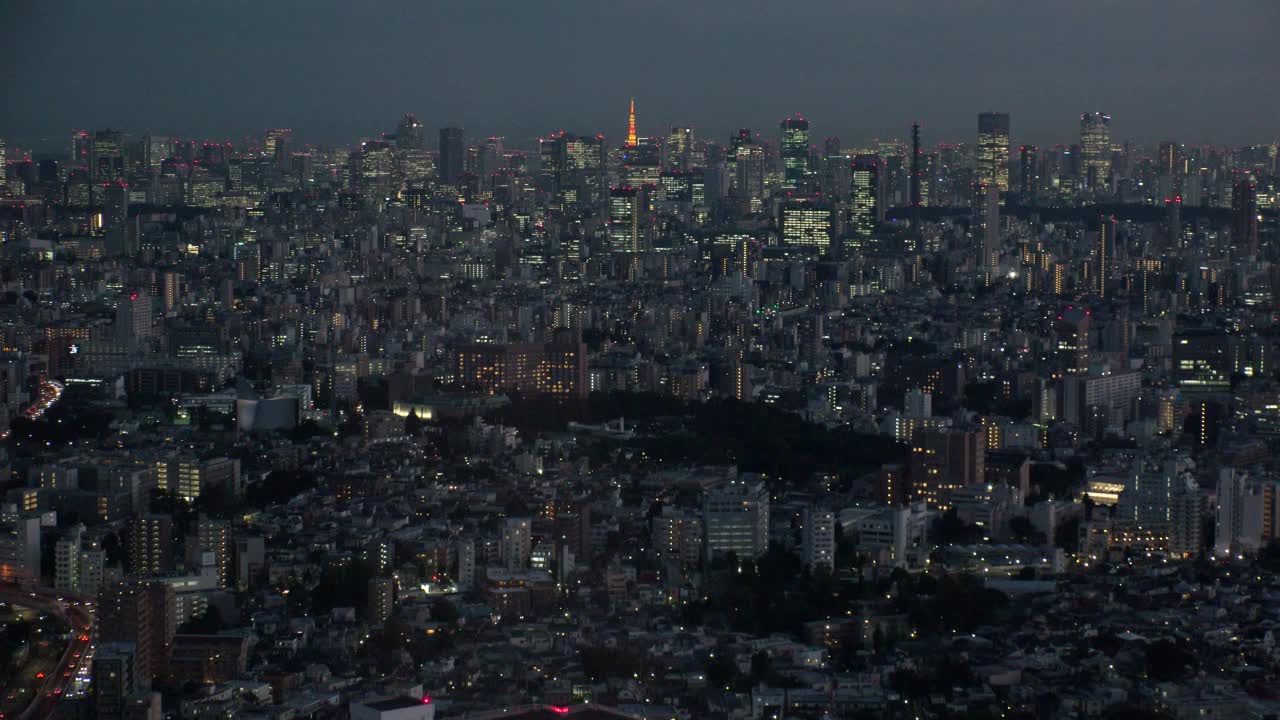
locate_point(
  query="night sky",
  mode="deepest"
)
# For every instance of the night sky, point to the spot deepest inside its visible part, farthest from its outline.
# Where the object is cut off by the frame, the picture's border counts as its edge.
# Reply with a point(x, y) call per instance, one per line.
point(339, 70)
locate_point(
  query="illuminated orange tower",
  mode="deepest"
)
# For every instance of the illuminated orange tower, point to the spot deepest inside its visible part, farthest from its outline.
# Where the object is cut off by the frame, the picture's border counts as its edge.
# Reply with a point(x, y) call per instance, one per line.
point(631, 125)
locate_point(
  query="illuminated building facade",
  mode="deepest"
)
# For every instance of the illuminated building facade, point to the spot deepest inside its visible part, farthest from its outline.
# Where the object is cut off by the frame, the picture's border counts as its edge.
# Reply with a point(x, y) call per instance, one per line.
point(795, 150)
point(865, 200)
point(624, 219)
point(993, 150)
point(944, 460)
point(1095, 148)
point(680, 149)
point(555, 369)
point(806, 224)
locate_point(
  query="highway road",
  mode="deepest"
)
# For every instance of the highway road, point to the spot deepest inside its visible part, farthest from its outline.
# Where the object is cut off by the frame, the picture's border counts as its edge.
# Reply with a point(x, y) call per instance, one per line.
point(48, 683)
point(50, 392)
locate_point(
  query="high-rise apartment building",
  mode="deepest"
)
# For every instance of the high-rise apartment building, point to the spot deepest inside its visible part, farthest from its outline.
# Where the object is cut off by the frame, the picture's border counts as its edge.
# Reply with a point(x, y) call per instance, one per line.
point(556, 369)
point(151, 544)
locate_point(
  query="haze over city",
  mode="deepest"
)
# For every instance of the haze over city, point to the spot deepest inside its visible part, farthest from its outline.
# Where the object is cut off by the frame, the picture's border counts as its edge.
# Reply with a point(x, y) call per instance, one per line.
point(639, 361)
point(333, 71)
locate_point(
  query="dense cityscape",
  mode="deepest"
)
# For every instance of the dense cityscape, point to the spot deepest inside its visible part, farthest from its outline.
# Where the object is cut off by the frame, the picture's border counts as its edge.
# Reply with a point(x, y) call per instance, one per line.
point(639, 422)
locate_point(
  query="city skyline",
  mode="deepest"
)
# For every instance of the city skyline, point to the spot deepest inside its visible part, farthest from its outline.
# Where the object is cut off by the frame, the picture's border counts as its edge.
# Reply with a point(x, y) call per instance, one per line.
point(633, 361)
point(716, 70)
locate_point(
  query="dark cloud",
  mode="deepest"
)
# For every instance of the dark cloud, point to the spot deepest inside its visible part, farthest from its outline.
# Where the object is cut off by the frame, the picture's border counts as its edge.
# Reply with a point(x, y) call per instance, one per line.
point(337, 70)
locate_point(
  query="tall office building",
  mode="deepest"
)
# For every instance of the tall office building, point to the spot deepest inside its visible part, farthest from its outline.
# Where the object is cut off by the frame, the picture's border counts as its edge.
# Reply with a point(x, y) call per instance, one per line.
point(373, 168)
point(1244, 219)
point(993, 150)
point(1170, 163)
point(1202, 360)
point(115, 205)
point(748, 167)
point(624, 219)
point(276, 147)
point(409, 133)
point(1028, 174)
point(865, 206)
point(573, 167)
point(735, 517)
point(806, 224)
point(680, 149)
point(107, 156)
point(452, 154)
point(642, 163)
point(155, 149)
point(795, 150)
point(1095, 147)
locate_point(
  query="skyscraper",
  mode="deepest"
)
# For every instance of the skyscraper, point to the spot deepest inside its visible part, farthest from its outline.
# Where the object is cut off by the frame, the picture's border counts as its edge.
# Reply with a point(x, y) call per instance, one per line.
point(806, 224)
point(624, 219)
point(573, 166)
point(1095, 145)
point(155, 149)
point(917, 176)
point(985, 224)
point(409, 133)
point(452, 154)
point(1028, 173)
point(748, 170)
point(116, 205)
point(1170, 162)
point(1104, 250)
point(1244, 219)
point(795, 150)
point(993, 150)
point(107, 161)
point(865, 202)
point(680, 148)
point(276, 146)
